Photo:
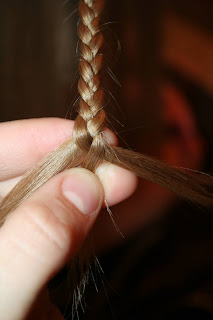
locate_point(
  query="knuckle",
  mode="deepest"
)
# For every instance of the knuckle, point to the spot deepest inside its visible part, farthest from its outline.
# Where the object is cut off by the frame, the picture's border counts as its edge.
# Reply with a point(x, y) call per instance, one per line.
point(47, 228)
point(43, 221)
point(53, 225)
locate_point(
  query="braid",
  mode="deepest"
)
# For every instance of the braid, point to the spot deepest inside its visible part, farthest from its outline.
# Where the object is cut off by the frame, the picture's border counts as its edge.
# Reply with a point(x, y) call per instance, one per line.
point(91, 120)
point(87, 146)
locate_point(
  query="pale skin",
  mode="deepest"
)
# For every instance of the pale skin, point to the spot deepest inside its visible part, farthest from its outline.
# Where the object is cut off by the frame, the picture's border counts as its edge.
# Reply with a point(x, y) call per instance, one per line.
point(40, 236)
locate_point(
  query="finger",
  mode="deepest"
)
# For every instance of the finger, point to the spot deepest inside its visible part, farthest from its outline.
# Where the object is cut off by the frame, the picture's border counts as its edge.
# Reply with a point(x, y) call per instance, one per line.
point(24, 142)
point(118, 183)
point(40, 236)
point(7, 186)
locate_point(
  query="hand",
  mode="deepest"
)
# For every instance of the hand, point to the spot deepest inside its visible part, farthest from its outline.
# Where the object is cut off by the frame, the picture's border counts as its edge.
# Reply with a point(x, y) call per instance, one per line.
point(46, 230)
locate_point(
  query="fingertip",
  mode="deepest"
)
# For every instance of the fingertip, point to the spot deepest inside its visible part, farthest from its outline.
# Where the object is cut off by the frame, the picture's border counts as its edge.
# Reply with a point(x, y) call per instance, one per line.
point(110, 137)
point(84, 190)
point(118, 183)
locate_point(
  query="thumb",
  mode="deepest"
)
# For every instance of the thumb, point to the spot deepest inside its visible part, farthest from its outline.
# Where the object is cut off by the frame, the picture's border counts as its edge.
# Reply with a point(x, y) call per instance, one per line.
point(39, 237)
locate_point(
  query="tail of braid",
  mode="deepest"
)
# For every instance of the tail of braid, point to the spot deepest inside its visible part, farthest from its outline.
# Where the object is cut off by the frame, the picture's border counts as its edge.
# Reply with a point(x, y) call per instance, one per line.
point(91, 120)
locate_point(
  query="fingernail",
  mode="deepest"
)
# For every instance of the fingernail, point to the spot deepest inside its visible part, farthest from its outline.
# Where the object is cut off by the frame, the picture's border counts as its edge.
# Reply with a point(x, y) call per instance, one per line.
point(83, 191)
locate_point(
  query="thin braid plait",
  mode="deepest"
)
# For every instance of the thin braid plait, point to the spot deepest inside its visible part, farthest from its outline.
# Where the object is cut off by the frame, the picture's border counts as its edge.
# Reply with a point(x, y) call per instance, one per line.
point(87, 147)
point(91, 120)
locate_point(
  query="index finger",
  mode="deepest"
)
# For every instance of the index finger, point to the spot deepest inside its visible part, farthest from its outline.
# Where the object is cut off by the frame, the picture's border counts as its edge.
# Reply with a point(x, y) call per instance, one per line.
point(24, 142)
